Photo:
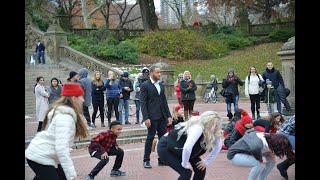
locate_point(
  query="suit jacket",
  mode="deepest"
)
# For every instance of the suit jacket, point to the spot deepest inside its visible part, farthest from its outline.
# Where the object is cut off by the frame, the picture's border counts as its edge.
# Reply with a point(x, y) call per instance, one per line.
point(153, 105)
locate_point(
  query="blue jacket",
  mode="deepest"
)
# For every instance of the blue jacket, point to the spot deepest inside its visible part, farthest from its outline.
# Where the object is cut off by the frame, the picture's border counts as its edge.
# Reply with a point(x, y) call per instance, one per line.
point(97, 92)
point(113, 90)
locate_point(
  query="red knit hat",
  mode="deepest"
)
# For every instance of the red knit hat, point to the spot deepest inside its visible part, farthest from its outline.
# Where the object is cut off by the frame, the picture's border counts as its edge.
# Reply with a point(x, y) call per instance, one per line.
point(177, 108)
point(246, 119)
point(72, 89)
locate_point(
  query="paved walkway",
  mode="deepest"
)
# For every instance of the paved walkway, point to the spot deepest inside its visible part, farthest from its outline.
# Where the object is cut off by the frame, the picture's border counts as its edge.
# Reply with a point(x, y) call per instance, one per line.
point(221, 169)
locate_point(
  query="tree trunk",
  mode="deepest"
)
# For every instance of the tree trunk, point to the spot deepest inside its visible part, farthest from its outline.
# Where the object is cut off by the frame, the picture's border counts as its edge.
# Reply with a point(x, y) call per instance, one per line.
point(148, 14)
point(85, 14)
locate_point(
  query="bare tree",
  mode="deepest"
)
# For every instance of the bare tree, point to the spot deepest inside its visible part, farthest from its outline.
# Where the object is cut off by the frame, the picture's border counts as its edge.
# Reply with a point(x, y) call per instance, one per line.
point(86, 16)
point(105, 11)
point(124, 14)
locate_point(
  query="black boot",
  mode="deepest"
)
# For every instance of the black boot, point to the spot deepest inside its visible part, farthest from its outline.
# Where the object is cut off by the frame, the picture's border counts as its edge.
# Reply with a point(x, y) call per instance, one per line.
point(253, 116)
point(230, 116)
point(282, 167)
point(258, 115)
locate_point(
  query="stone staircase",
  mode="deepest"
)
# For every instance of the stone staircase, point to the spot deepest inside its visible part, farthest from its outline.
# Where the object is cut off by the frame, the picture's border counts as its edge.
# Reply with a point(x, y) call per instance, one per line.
point(47, 71)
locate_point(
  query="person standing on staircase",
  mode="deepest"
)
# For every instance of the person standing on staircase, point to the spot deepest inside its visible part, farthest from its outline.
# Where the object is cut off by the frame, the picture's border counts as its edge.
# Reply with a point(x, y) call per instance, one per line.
point(127, 87)
point(40, 48)
point(42, 101)
point(85, 83)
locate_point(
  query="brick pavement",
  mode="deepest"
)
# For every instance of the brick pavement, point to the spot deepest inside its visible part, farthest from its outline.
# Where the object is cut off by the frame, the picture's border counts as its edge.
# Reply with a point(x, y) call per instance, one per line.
point(221, 169)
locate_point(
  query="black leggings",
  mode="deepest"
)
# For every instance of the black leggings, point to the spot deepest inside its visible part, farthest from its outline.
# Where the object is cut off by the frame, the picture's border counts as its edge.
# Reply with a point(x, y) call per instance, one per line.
point(174, 162)
point(46, 172)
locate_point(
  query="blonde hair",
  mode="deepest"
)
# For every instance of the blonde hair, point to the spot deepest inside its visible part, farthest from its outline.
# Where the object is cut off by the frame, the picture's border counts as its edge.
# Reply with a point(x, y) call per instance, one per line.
point(97, 82)
point(184, 74)
point(81, 124)
point(176, 82)
point(209, 120)
point(174, 114)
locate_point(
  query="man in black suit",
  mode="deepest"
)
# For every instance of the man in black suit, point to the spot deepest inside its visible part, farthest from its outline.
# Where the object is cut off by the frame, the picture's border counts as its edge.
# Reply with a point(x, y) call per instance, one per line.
point(155, 111)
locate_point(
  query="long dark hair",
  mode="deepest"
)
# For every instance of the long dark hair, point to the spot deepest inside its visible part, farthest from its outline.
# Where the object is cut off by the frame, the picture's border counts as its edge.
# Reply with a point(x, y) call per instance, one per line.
point(280, 145)
point(38, 79)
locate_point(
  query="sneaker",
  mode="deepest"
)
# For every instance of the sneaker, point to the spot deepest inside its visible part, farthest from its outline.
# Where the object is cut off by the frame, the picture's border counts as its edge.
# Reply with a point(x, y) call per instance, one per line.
point(127, 122)
point(90, 177)
point(117, 173)
point(102, 125)
point(147, 164)
point(93, 126)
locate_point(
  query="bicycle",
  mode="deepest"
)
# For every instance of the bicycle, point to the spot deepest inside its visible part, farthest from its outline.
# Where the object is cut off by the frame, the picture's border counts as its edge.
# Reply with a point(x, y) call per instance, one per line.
point(210, 94)
point(132, 110)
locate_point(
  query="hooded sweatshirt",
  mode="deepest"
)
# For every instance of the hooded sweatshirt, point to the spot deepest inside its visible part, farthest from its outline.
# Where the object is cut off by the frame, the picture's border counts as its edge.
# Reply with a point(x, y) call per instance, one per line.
point(86, 86)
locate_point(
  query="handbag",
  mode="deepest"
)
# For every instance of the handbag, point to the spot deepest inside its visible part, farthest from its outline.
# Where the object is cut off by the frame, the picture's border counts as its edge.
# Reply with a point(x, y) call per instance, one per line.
point(225, 92)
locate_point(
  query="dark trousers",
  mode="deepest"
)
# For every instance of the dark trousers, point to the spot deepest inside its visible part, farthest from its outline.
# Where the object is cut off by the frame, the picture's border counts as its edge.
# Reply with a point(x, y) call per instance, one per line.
point(255, 103)
point(159, 126)
point(174, 162)
point(39, 126)
point(98, 104)
point(137, 103)
point(86, 114)
point(113, 152)
point(113, 102)
point(45, 172)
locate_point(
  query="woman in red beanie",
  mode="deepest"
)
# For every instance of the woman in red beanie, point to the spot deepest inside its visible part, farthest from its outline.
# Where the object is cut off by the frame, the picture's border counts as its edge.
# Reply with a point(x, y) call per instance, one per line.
point(48, 153)
point(239, 129)
point(177, 117)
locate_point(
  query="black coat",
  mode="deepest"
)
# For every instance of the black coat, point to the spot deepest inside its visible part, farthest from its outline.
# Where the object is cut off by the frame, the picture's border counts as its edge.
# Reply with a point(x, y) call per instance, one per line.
point(153, 105)
point(188, 94)
point(274, 76)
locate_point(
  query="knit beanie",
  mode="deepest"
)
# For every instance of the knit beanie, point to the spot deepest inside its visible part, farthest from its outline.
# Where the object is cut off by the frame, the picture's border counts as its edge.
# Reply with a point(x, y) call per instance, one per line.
point(268, 81)
point(72, 89)
point(231, 70)
point(177, 108)
point(246, 119)
point(72, 74)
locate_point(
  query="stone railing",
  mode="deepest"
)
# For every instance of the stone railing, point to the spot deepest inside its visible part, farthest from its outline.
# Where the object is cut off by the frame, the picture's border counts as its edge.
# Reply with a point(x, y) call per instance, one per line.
point(86, 61)
point(265, 29)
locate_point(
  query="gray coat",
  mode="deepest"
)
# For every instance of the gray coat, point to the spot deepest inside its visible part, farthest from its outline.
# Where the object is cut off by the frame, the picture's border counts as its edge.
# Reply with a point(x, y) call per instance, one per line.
point(86, 86)
point(250, 144)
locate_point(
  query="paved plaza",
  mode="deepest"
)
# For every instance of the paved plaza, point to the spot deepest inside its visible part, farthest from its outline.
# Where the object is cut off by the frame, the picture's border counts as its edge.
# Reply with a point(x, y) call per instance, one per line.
point(220, 169)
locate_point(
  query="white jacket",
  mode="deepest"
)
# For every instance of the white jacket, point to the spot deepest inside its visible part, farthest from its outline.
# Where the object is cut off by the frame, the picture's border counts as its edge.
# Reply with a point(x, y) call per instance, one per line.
point(253, 86)
point(51, 146)
point(42, 102)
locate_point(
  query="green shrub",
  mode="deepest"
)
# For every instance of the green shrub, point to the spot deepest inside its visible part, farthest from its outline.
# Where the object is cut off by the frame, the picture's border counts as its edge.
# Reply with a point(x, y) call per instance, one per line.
point(127, 52)
point(41, 23)
point(281, 35)
point(179, 44)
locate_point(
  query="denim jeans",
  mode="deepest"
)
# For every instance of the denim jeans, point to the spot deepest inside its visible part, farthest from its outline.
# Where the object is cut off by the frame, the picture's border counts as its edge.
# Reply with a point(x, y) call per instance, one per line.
point(41, 56)
point(124, 104)
point(291, 138)
point(259, 170)
point(270, 108)
point(137, 102)
point(235, 103)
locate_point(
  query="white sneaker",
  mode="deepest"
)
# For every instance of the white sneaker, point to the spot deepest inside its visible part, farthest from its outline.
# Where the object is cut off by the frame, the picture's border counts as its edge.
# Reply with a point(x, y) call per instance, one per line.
point(143, 125)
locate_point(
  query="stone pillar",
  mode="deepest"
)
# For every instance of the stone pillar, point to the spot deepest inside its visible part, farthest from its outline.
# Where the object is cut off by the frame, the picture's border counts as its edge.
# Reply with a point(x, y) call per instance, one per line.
point(287, 56)
point(53, 39)
point(200, 88)
point(167, 77)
